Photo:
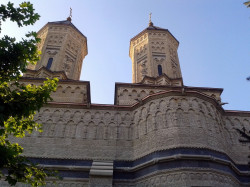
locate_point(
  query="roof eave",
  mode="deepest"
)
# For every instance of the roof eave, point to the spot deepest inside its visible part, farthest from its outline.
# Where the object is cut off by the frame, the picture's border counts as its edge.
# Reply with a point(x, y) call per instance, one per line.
point(55, 23)
point(147, 29)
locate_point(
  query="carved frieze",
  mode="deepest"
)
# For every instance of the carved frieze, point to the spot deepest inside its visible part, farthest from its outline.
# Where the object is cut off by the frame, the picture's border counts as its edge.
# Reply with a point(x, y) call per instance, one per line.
point(158, 46)
point(168, 117)
point(68, 64)
point(55, 39)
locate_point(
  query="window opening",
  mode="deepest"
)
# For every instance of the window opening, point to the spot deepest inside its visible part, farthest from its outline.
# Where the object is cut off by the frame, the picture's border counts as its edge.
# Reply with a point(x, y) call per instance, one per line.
point(159, 70)
point(49, 63)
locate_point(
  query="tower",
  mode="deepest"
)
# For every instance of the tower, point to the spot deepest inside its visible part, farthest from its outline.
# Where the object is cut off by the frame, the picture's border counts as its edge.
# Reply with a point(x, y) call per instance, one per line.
point(154, 53)
point(63, 49)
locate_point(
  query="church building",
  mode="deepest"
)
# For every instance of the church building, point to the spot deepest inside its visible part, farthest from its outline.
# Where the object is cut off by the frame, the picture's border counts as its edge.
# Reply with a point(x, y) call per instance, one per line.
point(159, 132)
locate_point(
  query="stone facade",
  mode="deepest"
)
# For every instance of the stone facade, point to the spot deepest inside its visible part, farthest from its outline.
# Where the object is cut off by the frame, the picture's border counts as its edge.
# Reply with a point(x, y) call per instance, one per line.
point(158, 132)
point(63, 48)
point(154, 52)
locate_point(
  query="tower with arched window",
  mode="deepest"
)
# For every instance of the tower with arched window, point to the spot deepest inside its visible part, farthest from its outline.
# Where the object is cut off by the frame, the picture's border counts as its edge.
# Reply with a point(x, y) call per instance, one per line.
point(63, 49)
point(154, 53)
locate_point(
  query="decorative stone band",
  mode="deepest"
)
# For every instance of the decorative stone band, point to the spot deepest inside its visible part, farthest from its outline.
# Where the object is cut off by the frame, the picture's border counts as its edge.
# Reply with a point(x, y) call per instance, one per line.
point(102, 168)
point(188, 159)
point(181, 158)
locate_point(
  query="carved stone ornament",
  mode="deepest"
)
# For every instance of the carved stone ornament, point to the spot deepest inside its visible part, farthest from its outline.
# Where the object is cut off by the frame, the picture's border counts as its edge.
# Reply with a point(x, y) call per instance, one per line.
point(67, 64)
point(143, 68)
point(52, 52)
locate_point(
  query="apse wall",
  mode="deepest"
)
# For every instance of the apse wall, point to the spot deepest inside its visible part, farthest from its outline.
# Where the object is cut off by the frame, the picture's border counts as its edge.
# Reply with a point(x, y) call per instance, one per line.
point(160, 123)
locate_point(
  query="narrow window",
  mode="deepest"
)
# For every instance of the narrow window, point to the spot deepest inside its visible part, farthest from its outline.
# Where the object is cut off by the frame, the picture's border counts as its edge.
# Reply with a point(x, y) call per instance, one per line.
point(49, 63)
point(159, 70)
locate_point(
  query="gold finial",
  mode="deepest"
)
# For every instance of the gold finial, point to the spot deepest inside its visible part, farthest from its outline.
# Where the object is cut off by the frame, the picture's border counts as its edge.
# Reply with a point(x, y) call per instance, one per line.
point(150, 22)
point(70, 14)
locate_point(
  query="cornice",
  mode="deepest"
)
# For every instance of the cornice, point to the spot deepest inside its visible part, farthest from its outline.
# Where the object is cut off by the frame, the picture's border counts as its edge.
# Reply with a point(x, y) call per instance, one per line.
point(145, 100)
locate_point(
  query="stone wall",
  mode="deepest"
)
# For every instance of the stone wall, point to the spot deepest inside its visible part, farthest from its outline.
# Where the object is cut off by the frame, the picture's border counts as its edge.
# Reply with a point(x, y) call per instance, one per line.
point(158, 124)
point(174, 178)
point(177, 122)
point(69, 133)
point(168, 138)
point(237, 150)
point(129, 94)
point(68, 91)
point(75, 92)
point(183, 178)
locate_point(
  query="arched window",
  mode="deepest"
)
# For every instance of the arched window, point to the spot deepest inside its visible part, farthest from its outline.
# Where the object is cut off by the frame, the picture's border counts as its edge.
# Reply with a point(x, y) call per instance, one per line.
point(159, 70)
point(49, 63)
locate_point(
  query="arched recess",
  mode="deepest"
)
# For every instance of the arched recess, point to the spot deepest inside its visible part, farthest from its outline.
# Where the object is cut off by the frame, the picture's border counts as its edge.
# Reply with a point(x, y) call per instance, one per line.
point(46, 127)
point(125, 94)
point(127, 117)
point(143, 94)
point(152, 107)
point(56, 113)
point(159, 122)
point(67, 91)
point(91, 132)
point(112, 130)
point(67, 114)
point(60, 128)
point(122, 132)
point(150, 125)
point(97, 115)
point(134, 94)
point(144, 113)
point(162, 105)
point(107, 116)
point(142, 127)
point(70, 129)
point(184, 104)
point(100, 131)
point(77, 115)
point(180, 118)
point(52, 128)
point(87, 116)
point(80, 128)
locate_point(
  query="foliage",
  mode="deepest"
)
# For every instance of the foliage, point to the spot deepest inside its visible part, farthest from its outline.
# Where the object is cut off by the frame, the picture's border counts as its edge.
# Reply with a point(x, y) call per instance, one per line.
point(19, 102)
point(247, 3)
point(15, 55)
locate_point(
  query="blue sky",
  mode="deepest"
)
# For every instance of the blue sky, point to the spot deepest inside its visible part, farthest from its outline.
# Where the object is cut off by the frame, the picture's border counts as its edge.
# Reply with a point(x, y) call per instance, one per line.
point(214, 38)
